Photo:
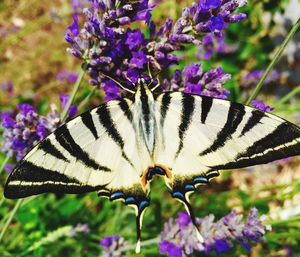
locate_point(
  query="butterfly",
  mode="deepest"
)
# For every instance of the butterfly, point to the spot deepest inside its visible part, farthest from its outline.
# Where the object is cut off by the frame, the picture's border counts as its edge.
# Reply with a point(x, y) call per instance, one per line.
point(116, 149)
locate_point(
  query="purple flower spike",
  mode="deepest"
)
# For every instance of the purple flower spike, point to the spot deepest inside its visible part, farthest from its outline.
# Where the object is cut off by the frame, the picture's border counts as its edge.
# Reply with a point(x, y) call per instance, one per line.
point(26, 108)
point(113, 246)
point(74, 27)
point(9, 168)
point(219, 236)
point(80, 228)
point(64, 98)
point(170, 249)
point(19, 145)
point(7, 120)
point(107, 241)
point(25, 128)
point(183, 219)
point(252, 78)
point(261, 106)
point(66, 75)
point(111, 90)
point(216, 24)
point(138, 59)
point(134, 39)
point(209, 4)
point(221, 246)
point(108, 46)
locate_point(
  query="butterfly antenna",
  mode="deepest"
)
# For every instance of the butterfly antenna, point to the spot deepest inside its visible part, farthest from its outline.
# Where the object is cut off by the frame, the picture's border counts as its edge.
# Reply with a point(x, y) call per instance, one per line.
point(158, 84)
point(149, 71)
point(119, 84)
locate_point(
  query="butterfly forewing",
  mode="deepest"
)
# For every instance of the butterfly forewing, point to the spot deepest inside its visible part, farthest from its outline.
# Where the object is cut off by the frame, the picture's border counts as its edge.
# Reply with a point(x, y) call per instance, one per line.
point(214, 134)
point(90, 153)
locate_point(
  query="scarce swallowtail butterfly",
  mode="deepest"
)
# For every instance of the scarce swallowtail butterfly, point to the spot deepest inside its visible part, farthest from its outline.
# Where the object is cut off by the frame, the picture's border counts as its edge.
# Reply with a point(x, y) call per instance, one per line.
point(116, 149)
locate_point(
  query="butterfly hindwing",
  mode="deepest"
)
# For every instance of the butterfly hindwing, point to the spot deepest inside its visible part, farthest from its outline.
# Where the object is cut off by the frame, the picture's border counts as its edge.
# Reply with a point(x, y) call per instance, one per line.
point(89, 153)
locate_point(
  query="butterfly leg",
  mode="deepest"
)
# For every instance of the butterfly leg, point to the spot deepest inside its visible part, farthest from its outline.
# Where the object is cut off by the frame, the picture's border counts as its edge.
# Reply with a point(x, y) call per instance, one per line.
point(139, 201)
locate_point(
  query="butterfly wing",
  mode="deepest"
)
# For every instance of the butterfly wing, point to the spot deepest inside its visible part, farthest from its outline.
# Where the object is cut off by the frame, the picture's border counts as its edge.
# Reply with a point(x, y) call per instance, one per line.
point(201, 135)
point(89, 153)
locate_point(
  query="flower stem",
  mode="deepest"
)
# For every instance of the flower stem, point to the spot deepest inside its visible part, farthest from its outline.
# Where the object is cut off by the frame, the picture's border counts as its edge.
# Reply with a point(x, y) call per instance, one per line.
point(74, 91)
point(288, 96)
point(87, 98)
point(11, 216)
point(143, 243)
point(274, 61)
point(4, 163)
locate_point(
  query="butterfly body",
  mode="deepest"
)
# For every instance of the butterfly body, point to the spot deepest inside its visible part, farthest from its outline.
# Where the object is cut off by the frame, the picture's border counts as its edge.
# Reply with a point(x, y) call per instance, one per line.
point(116, 149)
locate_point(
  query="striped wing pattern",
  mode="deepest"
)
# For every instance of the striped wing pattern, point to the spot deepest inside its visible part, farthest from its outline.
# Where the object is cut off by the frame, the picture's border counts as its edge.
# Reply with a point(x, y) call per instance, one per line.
point(115, 149)
point(217, 134)
point(89, 153)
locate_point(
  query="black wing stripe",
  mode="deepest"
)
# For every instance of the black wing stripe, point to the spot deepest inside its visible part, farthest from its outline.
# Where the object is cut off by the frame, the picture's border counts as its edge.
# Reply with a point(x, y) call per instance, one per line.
point(63, 136)
point(284, 134)
point(30, 172)
point(43, 180)
point(49, 148)
point(254, 120)
point(145, 109)
point(188, 106)
point(235, 116)
point(125, 108)
point(87, 120)
point(109, 125)
point(206, 105)
point(165, 104)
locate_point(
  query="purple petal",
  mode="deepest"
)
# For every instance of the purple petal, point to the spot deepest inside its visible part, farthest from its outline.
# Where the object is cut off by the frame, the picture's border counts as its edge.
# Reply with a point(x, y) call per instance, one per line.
point(74, 27)
point(7, 120)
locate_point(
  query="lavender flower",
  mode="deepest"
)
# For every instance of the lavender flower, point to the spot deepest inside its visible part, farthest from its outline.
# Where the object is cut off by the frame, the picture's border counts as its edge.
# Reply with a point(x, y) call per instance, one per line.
point(111, 90)
point(194, 80)
point(23, 130)
point(212, 44)
point(179, 238)
point(7, 87)
point(261, 106)
point(67, 76)
point(251, 78)
point(113, 246)
point(111, 49)
point(80, 228)
point(207, 16)
point(9, 168)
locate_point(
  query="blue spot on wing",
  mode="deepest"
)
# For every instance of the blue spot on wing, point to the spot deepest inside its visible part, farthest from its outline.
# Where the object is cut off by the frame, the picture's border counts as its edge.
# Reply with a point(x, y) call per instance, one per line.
point(143, 205)
point(200, 180)
point(189, 187)
point(178, 195)
point(117, 195)
point(130, 200)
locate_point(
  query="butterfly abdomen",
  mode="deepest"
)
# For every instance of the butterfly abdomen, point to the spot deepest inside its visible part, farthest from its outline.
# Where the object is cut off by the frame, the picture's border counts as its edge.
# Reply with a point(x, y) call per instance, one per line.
point(145, 116)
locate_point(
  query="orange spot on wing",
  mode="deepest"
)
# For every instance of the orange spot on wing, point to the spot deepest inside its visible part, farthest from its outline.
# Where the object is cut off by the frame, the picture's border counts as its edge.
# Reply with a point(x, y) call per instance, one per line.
point(144, 176)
